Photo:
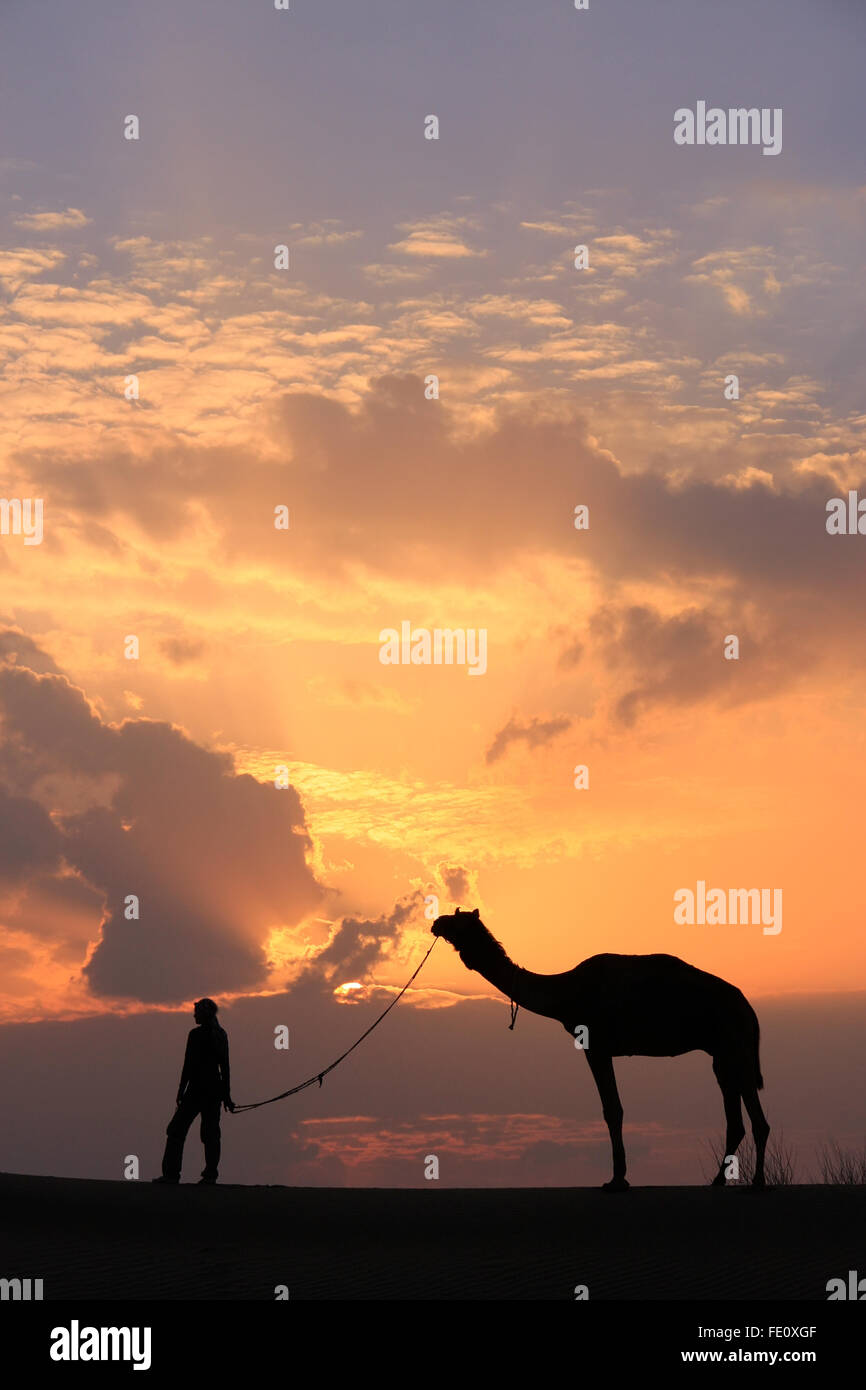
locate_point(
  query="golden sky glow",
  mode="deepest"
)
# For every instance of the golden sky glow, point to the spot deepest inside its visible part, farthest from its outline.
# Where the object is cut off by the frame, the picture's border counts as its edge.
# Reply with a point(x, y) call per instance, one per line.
point(165, 388)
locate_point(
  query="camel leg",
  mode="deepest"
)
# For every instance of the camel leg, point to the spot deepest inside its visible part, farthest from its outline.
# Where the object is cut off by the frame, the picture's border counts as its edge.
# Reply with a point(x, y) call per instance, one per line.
point(611, 1106)
point(735, 1129)
point(760, 1131)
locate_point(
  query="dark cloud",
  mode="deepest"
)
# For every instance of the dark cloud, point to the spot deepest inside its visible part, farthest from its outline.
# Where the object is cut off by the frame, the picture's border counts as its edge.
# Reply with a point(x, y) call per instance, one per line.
point(456, 880)
point(29, 840)
point(758, 544)
point(344, 475)
point(181, 650)
point(679, 659)
point(571, 656)
point(534, 734)
point(215, 858)
point(356, 946)
point(60, 909)
point(48, 725)
point(15, 645)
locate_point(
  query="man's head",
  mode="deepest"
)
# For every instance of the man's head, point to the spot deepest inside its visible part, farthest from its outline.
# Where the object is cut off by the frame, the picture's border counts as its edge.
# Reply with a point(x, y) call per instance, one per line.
point(204, 1011)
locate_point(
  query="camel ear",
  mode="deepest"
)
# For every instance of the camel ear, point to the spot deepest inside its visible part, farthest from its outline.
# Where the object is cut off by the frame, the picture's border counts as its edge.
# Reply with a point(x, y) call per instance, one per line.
point(475, 912)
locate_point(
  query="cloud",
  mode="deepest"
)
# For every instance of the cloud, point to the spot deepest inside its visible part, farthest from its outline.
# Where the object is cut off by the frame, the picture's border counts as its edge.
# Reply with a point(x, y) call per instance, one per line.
point(549, 228)
point(456, 880)
point(19, 265)
point(356, 945)
point(679, 659)
point(438, 238)
point(181, 650)
point(571, 655)
point(542, 312)
point(29, 840)
point(504, 1149)
point(215, 334)
point(535, 734)
point(726, 270)
point(430, 822)
point(52, 221)
point(59, 909)
point(755, 535)
point(16, 646)
point(215, 858)
point(629, 254)
point(330, 232)
point(395, 274)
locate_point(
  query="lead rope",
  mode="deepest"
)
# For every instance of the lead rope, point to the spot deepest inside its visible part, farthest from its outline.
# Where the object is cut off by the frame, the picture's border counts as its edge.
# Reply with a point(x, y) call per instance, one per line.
point(320, 1075)
point(514, 1008)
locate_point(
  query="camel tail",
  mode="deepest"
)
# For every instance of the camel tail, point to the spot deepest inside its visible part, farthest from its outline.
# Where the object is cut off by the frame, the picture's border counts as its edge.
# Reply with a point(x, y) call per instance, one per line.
point(758, 1051)
point(750, 1053)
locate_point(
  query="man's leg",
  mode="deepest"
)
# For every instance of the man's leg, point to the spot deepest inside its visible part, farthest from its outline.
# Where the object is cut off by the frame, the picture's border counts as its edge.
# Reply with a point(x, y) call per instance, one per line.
point(176, 1134)
point(210, 1137)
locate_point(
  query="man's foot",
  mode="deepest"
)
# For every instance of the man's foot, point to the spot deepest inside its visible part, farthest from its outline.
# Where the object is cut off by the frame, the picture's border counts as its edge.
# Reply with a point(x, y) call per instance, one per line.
point(166, 1182)
point(206, 1182)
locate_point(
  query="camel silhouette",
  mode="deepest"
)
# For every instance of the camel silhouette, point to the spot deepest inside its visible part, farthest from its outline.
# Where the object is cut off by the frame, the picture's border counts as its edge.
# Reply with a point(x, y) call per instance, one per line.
point(648, 1006)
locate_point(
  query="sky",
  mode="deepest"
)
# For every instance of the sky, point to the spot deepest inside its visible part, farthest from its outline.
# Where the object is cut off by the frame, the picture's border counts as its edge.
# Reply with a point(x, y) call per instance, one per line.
point(194, 709)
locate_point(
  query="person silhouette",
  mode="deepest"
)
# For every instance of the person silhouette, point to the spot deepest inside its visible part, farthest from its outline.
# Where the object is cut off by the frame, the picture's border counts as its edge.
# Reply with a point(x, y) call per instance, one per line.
point(205, 1085)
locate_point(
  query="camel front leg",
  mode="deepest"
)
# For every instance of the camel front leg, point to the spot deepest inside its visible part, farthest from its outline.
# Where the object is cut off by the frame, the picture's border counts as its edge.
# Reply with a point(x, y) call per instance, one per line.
point(611, 1107)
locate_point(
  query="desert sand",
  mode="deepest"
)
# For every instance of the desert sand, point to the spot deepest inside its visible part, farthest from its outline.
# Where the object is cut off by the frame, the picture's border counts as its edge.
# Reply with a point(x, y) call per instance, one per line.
point(133, 1240)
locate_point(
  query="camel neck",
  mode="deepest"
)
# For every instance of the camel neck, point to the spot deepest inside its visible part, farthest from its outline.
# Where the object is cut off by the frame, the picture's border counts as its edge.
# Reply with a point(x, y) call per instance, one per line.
point(524, 987)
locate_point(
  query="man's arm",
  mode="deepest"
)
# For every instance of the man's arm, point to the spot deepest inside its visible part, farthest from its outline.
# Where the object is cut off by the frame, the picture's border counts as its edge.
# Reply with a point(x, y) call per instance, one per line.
point(225, 1073)
point(185, 1074)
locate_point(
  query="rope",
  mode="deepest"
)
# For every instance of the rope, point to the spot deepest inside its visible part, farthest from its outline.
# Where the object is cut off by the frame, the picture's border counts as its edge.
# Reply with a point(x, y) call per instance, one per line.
point(514, 1008)
point(319, 1075)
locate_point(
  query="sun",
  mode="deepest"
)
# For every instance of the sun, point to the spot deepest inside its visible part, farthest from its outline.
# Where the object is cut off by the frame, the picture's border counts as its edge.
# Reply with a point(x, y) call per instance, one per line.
point(346, 991)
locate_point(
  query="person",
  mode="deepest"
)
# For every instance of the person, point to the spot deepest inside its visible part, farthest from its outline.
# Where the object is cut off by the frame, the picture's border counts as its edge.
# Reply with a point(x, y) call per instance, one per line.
point(205, 1085)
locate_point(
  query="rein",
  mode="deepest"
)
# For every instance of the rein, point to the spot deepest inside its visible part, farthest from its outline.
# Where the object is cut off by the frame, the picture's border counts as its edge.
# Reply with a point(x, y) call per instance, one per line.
point(319, 1076)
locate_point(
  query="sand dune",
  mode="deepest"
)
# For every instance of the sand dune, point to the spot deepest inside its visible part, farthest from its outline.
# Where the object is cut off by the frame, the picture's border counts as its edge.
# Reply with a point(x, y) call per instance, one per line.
point(126, 1240)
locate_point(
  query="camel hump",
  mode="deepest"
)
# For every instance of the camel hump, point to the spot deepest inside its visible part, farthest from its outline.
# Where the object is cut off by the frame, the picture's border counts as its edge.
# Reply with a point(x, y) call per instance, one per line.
point(646, 969)
point(659, 1005)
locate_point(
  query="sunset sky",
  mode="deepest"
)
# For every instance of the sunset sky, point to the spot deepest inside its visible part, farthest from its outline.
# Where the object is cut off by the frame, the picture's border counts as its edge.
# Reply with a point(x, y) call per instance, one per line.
point(259, 648)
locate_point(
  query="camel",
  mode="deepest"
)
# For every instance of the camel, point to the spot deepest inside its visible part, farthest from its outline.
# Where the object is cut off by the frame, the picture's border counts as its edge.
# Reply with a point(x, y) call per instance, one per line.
point(649, 1006)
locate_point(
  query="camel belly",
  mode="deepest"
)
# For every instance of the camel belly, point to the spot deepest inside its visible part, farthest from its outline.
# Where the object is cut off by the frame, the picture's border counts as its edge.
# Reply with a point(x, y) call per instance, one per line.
point(672, 1049)
point(635, 1040)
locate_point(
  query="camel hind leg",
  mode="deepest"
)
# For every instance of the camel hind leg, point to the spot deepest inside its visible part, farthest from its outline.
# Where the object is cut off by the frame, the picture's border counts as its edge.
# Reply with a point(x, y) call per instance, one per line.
point(735, 1129)
point(760, 1130)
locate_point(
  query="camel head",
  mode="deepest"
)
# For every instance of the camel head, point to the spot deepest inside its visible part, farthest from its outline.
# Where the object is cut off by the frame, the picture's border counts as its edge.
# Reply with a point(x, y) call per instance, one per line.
point(467, 934)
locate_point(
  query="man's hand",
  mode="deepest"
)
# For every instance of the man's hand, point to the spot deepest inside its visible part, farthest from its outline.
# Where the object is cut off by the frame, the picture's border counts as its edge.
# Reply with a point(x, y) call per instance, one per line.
point(229, 1105)
point(179, 1100)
